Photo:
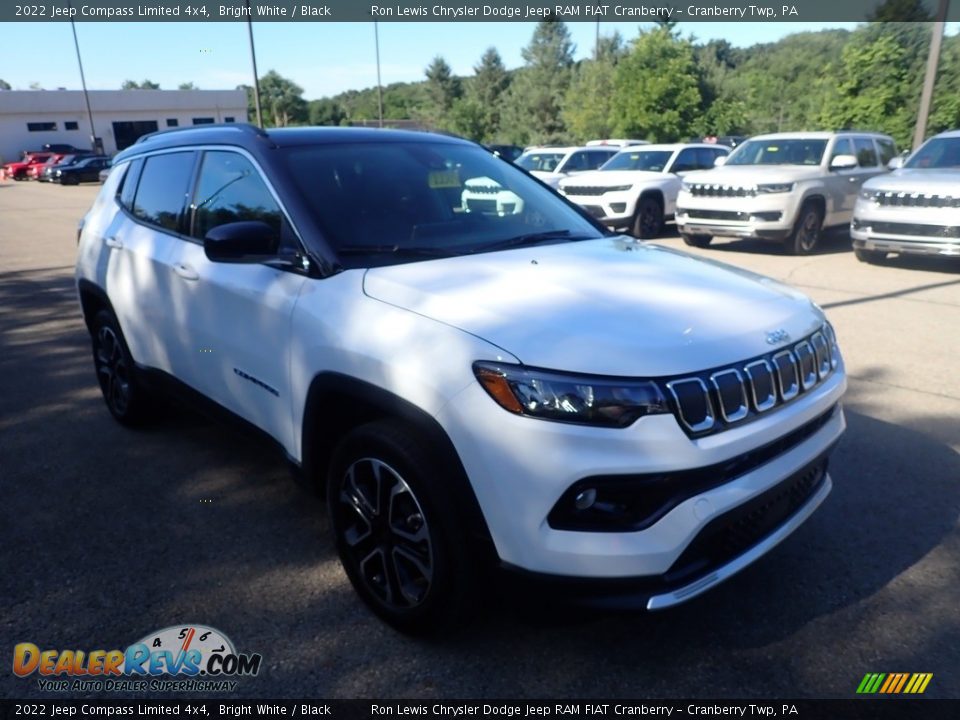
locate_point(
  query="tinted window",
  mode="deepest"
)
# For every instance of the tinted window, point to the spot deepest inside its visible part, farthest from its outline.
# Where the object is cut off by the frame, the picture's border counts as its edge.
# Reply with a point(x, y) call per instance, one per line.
point(130, 184)
point(841, 147)
point(41, 126)
point(779, 151)
point(941, 152)
point(162, 189)
point(231, 190)
point(541, 161)
point(70, 125)
point(384, 203)
point(866, 153)
point(888, 151)
point(596, 159)
point(653, 160)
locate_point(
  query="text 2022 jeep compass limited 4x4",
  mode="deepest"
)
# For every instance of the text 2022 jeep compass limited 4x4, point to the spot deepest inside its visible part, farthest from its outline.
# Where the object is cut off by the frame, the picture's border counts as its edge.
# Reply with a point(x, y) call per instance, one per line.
point(525, 391)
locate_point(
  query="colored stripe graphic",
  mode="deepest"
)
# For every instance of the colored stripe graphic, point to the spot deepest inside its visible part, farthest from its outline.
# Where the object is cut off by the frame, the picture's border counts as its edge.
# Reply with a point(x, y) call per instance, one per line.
point(894, 683)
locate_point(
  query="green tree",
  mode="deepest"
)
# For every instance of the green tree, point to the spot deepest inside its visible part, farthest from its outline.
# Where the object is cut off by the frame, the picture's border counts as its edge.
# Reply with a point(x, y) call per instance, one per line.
point(533, 108)
point(326, 112)
point(477, 115)
point(187, 86)
point(945, 114)
point(443, 89)
point(874, 88)
point(4, 85)
point(657, 89)
point(282, 100)
point(134, 85)
point(900, 11)
point(588, 107)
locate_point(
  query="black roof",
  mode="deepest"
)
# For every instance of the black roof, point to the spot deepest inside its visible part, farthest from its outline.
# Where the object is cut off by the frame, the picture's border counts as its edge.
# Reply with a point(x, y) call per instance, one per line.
point(245, 135)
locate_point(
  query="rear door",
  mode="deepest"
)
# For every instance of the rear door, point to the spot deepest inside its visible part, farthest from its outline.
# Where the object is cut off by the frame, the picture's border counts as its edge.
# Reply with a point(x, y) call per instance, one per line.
point(235, 318)
point(140, 240)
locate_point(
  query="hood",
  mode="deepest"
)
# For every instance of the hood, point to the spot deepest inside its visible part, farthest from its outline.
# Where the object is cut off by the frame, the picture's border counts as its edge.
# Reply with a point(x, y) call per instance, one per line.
point(749, 175)
point(932, 182)
point(610, 306)
point(610, 178)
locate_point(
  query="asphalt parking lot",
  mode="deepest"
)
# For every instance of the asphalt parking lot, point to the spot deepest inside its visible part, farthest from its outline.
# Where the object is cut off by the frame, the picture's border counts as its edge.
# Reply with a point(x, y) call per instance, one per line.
point(108, 534)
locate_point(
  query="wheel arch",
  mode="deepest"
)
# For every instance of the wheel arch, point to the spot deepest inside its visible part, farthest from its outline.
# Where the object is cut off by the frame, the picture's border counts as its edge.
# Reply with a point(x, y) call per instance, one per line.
point(93, 299)
point(337, 403)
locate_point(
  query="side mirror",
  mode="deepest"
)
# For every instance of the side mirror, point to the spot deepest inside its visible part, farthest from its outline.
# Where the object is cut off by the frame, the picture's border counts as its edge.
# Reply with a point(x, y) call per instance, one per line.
point(896, 163)
point(843, 162)
point(250, 241)
point(720, 160)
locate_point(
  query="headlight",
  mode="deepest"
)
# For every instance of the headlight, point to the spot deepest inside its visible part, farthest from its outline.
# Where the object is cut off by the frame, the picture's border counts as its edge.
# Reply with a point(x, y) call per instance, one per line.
point(684, 185)
point(618, 188)
point(771, 188)
point(869, 194)
point(606, 402)
point(59, 173)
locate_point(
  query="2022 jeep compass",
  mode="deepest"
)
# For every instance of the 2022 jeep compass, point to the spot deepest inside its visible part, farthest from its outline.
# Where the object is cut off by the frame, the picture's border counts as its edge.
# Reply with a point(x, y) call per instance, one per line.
point(474, 389)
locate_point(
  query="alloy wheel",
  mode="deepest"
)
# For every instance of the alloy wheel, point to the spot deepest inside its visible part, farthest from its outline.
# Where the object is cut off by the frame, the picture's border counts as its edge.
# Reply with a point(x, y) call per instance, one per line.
point(113, 371)
point(385, 534)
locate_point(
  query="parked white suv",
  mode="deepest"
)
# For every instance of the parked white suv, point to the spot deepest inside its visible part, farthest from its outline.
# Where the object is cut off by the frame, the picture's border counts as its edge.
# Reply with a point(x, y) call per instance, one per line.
point(552, 164)
point(784, 187)
point(915, 209)
point(524, 391)
point(637, 188)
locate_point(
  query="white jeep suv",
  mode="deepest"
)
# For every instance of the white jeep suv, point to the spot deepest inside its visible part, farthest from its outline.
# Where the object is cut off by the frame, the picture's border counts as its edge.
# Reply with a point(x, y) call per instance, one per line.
point(552, 164)
point(637, 188)
point(915, 209)
point(525, 392)
point(784, 187)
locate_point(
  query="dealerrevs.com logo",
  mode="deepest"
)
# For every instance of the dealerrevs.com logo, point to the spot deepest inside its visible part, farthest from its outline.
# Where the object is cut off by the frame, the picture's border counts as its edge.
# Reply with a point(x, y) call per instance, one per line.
point(177, 658)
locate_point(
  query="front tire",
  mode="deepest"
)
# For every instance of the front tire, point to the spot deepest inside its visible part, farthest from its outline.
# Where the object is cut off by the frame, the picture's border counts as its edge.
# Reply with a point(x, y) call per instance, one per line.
point(127, 400)
point(874, 257)
point(805, 236)
point(397, 529)
point(648, 218)
point(697, 241)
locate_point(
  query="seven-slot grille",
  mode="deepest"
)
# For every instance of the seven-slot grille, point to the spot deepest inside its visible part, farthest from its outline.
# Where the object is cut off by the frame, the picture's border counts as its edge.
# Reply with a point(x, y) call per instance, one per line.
point(710, 190)
point(904, 199)
point(716, 399)
point(584, 190)
point(484, 189)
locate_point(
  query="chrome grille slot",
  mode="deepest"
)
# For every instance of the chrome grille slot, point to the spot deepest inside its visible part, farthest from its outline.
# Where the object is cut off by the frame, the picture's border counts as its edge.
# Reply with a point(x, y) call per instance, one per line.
point(788, 377)
point(822, 351)
point(762, 391)
point(808, 364)
point(731, 394)
point(708, 190)
point(693, 403)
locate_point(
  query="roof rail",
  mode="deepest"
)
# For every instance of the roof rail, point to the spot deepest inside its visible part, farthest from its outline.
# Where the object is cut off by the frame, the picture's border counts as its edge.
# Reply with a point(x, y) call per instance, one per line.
point(243, 127)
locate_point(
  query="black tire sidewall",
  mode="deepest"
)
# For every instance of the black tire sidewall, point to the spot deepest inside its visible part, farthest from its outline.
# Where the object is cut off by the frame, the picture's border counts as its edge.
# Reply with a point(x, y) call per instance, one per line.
point(136, 411)
point(638, 229)
point(793, 241)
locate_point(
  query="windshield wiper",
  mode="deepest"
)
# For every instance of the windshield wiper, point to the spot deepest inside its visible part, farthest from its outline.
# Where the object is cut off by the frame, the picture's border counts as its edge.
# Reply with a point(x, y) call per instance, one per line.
point(532, 239)
point(392, 250)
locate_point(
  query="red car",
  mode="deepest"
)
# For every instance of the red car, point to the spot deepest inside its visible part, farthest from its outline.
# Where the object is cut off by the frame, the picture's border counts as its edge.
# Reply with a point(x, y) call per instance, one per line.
point(18, 170)
point(34, 171)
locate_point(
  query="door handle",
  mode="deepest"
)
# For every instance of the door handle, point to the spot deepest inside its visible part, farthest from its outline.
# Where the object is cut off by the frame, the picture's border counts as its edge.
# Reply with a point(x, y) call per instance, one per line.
point(113, 242)
point(185, 271)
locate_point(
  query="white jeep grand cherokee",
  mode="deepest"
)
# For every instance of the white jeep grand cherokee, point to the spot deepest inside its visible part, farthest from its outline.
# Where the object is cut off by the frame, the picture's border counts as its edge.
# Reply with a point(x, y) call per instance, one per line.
point(914, 210)
point(524, 391)
point(637, 188)
point(784, 187)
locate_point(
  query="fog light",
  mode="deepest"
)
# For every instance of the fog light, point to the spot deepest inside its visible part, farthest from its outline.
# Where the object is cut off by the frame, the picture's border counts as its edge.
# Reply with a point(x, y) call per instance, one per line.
point(585, 499)
point(618, 208)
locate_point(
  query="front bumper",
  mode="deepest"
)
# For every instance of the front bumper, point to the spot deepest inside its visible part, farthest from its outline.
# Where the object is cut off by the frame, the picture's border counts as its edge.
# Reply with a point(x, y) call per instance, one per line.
point(520, 467)
point(763, 217)
point(920, 231)
point(613, 209)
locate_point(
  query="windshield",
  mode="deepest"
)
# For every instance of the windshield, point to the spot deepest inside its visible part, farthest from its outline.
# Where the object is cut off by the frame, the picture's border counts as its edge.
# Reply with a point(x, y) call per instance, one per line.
point(652, 160)
point(541, 161)
point(938, 153)
point(781, 151)
point(383, 203)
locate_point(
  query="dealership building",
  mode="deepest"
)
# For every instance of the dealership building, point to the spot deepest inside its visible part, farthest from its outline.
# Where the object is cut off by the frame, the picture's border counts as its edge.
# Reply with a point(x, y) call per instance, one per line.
point(31, 118)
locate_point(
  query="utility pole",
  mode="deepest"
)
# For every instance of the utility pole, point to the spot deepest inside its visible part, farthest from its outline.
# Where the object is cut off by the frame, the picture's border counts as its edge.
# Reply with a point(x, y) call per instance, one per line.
point(930, 78)
point(94, 145)
point(256, 77)
point(376, 40)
